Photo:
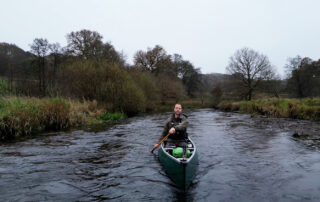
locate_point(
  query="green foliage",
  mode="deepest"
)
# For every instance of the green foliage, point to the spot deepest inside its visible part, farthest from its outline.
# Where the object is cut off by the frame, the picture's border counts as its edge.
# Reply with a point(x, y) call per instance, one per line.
point(112, 116)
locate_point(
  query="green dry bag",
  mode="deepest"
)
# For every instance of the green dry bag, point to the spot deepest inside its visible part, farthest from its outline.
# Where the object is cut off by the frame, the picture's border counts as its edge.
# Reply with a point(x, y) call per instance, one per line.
point(188, 153)
point(178, 152)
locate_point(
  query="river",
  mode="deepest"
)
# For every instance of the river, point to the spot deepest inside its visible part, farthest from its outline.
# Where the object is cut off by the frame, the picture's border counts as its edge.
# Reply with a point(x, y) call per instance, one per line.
point(241, 158)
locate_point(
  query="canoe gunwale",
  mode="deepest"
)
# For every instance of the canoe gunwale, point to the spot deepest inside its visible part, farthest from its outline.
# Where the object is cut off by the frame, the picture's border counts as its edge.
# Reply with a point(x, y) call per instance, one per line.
point(180, 160)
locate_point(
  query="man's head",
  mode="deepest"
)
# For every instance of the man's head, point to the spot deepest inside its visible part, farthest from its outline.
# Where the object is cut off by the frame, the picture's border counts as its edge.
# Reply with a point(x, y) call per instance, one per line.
point(177, 109)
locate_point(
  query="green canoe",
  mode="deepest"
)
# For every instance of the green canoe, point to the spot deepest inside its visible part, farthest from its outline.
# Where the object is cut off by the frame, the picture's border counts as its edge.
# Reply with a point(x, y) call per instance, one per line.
point(180, 170)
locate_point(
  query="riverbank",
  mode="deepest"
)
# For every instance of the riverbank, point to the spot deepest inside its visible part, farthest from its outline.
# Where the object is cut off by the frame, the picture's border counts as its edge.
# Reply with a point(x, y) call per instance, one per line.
point(23, 116)
point(308, 109)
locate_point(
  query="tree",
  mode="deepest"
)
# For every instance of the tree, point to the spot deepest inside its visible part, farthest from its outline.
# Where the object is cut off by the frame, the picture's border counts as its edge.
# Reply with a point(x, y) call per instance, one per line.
point(251, 68)
point(170, 89)
point(40, 48)
point(159, 63)
point(56, 53)
point(292, 64)
point(190, 76)
point(151, 60)
point(111, 55)
point(304, 79)
point(85, 44)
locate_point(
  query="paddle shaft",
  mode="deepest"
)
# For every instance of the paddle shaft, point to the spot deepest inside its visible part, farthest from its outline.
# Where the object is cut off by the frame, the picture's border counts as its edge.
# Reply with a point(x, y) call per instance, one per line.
point(163, 139)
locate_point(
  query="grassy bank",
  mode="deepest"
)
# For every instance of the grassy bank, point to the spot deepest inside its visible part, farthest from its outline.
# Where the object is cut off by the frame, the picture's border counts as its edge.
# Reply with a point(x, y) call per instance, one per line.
point(281, 108)
point(20, 116)
point(23, 116)
point(186, 104)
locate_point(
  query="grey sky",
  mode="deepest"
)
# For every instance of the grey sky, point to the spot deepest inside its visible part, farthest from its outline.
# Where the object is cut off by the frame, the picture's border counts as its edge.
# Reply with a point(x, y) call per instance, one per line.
point(206, 33)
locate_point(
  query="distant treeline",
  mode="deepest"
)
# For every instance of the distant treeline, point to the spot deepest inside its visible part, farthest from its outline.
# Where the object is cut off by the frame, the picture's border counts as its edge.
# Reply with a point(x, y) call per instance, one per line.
point(87, 68)
point(90, 69)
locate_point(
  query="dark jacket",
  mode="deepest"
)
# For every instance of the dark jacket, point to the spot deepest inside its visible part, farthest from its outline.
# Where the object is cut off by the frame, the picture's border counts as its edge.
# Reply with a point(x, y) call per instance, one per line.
point(180, 124)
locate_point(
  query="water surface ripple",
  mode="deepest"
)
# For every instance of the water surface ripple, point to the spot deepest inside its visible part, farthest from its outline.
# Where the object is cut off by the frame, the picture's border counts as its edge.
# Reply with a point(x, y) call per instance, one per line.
point(240, 159)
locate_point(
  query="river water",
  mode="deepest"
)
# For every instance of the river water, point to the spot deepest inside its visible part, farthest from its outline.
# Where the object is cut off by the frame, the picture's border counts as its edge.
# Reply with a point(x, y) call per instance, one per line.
point(241, 158)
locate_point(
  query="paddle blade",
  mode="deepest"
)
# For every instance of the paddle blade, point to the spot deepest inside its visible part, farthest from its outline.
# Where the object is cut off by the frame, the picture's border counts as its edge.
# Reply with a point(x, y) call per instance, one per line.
point(155, 147)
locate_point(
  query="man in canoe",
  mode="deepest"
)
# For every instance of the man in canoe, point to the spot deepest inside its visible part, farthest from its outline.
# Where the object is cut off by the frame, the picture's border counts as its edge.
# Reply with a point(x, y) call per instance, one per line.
point(176, 126)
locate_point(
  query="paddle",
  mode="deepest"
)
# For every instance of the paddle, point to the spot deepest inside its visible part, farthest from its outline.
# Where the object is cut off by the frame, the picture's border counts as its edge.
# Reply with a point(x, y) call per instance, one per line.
point(158, 144)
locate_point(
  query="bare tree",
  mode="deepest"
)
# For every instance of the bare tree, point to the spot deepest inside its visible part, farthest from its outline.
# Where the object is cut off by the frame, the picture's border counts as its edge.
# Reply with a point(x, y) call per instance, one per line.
point(40, 48)
point(251, 68)
point(56, 52)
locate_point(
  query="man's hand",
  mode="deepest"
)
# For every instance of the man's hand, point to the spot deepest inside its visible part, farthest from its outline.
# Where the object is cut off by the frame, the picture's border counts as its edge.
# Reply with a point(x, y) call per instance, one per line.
point(172, 130)
point(156, 146)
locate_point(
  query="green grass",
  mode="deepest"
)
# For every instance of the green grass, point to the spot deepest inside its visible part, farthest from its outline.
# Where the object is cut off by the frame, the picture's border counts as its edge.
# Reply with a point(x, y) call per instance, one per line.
point(112, 116)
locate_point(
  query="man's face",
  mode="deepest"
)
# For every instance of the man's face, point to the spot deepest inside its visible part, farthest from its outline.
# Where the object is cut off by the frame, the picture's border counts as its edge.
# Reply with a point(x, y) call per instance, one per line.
point(177, 109)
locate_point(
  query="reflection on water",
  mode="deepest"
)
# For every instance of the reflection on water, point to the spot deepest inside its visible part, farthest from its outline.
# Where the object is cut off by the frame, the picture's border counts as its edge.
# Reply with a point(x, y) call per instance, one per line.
point(241, 159)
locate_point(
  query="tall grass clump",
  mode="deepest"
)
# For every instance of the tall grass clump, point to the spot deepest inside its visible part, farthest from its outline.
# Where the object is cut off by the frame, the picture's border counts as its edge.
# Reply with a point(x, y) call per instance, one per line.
point(229, 106)
point(55, 114)
point(19, 117)
point(23, 116)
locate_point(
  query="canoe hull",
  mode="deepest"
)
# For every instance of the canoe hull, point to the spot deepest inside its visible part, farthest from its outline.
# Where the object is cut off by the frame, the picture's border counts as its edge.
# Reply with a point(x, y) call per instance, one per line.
point(181, 171)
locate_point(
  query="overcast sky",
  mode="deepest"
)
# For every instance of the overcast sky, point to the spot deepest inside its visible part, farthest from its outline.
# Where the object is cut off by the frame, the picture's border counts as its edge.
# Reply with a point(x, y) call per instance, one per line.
point(206, 33)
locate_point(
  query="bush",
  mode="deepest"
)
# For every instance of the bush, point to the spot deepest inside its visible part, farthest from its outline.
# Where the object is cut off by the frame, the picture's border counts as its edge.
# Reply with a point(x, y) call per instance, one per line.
point(108, 84)
point(134, 100)
point(146, 82)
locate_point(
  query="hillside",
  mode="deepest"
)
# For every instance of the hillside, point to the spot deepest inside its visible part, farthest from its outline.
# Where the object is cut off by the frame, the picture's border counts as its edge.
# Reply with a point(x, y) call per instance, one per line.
point(13, 59)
